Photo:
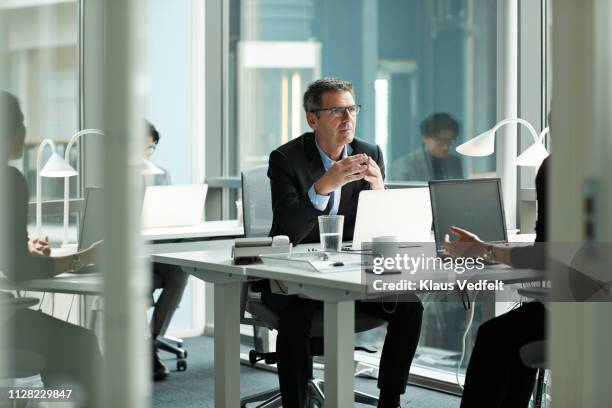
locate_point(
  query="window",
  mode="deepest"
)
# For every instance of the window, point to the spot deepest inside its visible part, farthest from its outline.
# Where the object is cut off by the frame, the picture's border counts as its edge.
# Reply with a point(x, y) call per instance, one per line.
point(43, 74)
point(406, 59)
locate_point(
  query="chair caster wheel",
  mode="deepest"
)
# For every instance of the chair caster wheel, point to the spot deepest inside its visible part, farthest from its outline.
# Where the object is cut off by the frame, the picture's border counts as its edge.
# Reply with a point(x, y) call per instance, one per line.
point(181, 365)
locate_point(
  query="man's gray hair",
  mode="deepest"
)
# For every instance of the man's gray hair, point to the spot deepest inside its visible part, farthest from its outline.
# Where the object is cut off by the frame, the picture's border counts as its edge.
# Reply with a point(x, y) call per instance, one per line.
point(313, 97)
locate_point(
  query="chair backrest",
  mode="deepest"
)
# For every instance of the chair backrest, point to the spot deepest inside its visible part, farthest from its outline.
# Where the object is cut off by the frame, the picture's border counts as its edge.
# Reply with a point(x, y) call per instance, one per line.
point(257, 213)
point(256, 202)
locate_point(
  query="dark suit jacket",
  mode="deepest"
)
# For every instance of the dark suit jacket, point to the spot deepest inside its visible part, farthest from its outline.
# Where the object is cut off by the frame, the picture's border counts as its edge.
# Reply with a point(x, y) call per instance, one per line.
point(534, 256)
point(18, 264)
point(293, 168)
point(419, 166)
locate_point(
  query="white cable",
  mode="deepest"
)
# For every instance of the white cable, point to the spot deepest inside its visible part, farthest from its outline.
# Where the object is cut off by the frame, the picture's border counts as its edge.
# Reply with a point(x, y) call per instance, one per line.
point(467, 330)
point(70, 308)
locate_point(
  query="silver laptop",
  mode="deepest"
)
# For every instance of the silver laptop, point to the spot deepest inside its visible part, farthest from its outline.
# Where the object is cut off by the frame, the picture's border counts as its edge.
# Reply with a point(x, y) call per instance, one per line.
point(404, 213)
point(472, 204)
point(173, 206)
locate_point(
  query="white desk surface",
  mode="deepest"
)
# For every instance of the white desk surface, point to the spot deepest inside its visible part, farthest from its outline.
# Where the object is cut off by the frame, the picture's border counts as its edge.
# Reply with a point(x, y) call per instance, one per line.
point(207, 229)
point(215, 260)
point(218, 260)
point(352, 281)
point(90, 284)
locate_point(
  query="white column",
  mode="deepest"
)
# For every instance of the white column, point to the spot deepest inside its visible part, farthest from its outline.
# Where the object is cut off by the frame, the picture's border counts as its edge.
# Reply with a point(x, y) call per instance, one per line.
point(127, 372)
point(580, 352)
point(507, 102)
point(338, 330)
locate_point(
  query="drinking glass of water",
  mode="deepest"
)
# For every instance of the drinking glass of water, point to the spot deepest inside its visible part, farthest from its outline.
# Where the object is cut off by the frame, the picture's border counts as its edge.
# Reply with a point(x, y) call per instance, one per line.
point(330, 230)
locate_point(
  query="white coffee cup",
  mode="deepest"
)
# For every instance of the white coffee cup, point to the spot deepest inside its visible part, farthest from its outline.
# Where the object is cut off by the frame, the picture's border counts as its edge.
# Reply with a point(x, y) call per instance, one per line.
point(386, 246)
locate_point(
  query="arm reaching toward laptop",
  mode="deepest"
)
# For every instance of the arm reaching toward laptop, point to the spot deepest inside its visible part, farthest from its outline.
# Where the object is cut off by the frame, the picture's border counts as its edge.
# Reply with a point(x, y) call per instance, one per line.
point(468, 244)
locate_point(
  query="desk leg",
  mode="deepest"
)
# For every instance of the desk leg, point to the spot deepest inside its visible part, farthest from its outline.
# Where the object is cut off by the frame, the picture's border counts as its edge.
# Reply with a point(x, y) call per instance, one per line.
point(339, 327)
point(227, 345)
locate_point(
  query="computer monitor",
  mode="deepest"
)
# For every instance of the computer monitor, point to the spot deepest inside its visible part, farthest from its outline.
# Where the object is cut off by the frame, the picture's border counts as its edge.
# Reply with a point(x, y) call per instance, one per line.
point(474, 204)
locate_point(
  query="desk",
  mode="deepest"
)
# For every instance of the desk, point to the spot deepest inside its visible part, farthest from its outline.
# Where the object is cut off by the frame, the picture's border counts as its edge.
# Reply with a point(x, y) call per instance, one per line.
point(70, 283)
point(183, 239)
point(92, 284)
point(215, 266)
point(208, 229)
point(338, 291)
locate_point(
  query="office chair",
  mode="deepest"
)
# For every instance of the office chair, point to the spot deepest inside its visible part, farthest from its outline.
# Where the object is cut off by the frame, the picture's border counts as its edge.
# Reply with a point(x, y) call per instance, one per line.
point(534, 354)
point(19, 363)
point(165, 343)
point(257, 212)
point(173, 345)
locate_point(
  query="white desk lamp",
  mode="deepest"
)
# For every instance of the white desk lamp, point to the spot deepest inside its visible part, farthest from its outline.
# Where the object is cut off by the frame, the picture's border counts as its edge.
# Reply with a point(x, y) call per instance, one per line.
point(484, 144)
point(72, 141)
point(148, 168)
point(534, 154)
point(55, 167)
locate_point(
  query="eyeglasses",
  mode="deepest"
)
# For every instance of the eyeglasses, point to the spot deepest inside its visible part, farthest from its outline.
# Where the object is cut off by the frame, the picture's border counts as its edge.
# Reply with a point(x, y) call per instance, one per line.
point(339, 112)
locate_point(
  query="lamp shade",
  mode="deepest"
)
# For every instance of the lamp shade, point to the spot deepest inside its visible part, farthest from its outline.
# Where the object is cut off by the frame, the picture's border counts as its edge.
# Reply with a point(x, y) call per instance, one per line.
point(57, 167)
point(481, 145)
point(149, 169)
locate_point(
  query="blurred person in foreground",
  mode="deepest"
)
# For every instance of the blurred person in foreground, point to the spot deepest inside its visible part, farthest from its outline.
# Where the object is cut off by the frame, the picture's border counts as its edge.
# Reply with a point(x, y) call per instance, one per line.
point(496, 375)
point(66, 356)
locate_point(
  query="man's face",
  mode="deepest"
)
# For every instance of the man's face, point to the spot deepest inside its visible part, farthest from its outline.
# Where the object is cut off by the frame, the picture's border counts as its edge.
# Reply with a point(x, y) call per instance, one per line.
point(330, 129)
point(439, 145)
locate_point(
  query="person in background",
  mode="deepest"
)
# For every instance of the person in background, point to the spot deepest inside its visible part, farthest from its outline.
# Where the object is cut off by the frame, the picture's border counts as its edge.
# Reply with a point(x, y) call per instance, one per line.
point(432, 160)
point(69, 355)
point(496, 375)
point(171, 279)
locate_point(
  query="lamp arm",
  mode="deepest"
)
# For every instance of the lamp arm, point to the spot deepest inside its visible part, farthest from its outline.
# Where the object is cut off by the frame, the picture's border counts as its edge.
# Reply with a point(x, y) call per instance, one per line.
point(41, 147)
point(523, 122)
point(72, 141)
point(543, 134)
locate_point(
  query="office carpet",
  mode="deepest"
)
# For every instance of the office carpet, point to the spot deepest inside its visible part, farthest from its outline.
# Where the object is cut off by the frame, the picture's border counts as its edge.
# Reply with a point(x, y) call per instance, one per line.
point(194, 387)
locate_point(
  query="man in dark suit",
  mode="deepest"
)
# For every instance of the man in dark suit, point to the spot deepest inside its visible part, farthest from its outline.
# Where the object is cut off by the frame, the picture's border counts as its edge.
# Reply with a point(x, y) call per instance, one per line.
point(318, 173)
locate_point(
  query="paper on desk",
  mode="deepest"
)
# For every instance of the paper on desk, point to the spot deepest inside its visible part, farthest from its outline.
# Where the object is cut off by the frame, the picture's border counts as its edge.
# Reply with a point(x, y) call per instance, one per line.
point(314, 263)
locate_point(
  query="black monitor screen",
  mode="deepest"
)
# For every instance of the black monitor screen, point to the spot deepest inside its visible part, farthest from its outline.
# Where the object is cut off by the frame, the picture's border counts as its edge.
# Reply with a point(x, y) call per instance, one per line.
point(475, 205)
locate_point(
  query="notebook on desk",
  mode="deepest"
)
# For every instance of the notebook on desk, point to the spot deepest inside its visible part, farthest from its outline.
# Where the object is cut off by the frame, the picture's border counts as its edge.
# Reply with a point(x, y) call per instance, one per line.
point(473, 204)
point(404, 213)
point(173, 206)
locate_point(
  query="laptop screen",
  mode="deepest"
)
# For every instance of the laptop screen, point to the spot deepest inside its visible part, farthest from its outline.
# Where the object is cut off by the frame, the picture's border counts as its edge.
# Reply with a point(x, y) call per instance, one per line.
point(475, 205)
point(91, 230)
point(403, 213)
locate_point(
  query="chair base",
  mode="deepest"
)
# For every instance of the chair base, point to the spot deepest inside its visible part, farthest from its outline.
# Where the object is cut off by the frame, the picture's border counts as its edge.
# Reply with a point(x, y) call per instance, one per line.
point(316, 397)
point(163, 343)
